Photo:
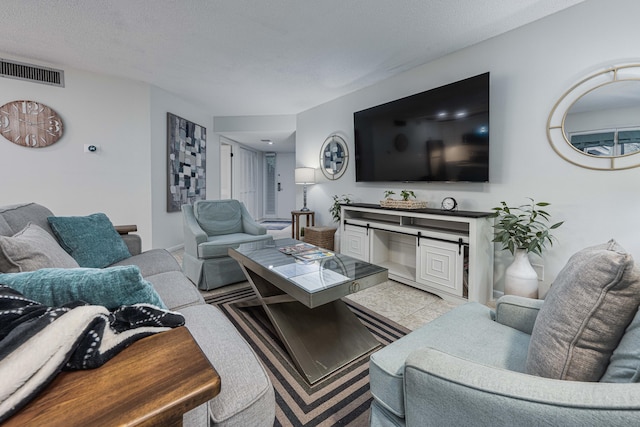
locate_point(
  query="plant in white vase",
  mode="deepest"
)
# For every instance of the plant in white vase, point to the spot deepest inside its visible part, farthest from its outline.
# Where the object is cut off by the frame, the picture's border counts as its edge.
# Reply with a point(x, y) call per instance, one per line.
point(521, 230)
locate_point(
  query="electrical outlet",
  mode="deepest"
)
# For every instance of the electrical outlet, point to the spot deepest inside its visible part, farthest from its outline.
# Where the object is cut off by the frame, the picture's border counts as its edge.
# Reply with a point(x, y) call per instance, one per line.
point(539, 268)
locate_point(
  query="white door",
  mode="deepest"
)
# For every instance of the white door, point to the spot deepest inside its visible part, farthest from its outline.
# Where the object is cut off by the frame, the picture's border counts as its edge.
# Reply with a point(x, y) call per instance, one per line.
point(225, 171)
point(286, 192)
point(279, 190)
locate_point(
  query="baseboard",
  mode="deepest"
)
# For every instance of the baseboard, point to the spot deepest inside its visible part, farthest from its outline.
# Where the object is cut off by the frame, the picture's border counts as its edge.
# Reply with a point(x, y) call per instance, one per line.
point(175, 248)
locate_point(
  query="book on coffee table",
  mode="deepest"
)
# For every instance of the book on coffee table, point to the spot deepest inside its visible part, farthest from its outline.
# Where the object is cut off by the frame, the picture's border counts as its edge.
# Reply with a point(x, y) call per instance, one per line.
point(297, 248)
point(313, 255)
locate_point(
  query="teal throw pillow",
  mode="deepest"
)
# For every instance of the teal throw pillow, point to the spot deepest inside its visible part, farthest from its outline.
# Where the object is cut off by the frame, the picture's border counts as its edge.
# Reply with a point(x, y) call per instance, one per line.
point(91, 240)
point(109, 287)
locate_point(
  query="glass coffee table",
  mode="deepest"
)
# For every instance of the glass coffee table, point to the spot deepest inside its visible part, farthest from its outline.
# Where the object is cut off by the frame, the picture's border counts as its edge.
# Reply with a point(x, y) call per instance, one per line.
point(302, 299)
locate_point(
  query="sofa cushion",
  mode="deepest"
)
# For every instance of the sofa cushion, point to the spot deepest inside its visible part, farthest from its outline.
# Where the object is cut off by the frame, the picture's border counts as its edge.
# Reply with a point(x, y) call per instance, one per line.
point(586, 311)
point(624, 366)
point(91, 240)
point(16, 217)
point(246, 397)
point(153, 261)
point(175, 289)
point(218, 216)
point(488, 342)
point(108, 287)
point(218, 246)
point(30, 249)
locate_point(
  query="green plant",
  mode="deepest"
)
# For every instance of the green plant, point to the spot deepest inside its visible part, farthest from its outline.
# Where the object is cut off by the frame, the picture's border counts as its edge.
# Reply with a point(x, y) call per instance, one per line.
point(335, 208)
point(405, 194)
point(523, 227)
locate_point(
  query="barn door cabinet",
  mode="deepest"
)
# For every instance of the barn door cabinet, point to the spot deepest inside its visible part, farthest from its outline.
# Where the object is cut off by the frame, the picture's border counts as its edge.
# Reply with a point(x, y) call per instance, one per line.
point(449, 254)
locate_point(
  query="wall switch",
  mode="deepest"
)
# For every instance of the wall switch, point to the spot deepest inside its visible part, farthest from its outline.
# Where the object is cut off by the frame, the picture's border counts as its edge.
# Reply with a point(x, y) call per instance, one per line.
point(539, 268)
point(90, 148)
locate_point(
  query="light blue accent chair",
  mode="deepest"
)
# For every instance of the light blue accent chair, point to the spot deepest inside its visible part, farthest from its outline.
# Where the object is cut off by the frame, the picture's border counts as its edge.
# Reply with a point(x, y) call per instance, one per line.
point(211, 227)
point(467, 368)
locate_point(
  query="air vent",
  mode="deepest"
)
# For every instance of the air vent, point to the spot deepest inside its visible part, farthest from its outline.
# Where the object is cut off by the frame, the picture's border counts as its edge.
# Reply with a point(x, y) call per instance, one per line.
point(32, 73)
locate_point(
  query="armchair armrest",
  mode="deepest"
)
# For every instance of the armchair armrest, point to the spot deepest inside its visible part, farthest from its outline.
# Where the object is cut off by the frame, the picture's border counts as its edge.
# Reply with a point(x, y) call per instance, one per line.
point(441, 389)
point(252, 227)
point(518, 312)
point(249, 225)
point(194, 235)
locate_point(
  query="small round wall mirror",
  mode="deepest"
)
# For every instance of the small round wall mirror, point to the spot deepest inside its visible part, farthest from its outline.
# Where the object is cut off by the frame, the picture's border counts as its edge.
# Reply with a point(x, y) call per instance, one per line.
point(596, 123)
point(334, 157)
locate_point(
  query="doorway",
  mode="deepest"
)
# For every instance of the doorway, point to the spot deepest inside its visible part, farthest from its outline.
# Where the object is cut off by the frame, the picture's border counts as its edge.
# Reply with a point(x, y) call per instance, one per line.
point(226, 171)
point(279, 191)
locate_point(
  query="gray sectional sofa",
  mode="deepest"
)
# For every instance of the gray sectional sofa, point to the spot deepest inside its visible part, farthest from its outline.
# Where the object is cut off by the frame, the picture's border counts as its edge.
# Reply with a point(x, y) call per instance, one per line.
point(247, 395)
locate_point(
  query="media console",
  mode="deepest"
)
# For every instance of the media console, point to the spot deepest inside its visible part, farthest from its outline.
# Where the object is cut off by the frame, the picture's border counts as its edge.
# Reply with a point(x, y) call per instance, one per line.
point(449, 254)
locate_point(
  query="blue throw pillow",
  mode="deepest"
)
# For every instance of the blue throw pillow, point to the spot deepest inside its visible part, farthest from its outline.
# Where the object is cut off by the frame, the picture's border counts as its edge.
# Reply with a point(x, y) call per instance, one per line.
point(91, 240)
point(109, 287)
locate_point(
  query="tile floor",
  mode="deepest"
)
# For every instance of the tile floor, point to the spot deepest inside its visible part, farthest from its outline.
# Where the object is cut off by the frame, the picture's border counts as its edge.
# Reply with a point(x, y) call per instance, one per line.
point(408, 306)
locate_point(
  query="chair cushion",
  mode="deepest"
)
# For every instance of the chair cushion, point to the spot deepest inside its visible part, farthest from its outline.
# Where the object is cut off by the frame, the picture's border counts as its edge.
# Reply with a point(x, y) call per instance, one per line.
point(586, 311)
point(218, 246)
point(30, 249)
point(467, 331)
point(91, 240)
point(218, 217)
point(108, 287)
point(624, 366)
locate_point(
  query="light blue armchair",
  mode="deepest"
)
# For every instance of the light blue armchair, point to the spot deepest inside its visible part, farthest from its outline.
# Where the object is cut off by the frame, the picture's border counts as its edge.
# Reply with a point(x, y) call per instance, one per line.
point(473, 366)
point(211, 227)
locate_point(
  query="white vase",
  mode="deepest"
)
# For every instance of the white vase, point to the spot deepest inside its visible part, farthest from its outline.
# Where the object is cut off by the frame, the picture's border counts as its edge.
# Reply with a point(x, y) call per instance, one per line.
point(336, 240)
point(520, 277)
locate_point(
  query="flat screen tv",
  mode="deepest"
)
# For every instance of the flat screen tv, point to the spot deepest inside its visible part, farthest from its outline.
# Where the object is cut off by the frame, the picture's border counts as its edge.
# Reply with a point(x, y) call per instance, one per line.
point(438, 135)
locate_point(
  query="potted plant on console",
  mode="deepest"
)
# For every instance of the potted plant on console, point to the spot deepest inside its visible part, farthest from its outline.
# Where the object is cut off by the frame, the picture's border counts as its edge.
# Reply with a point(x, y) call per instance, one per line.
point(405, 203)
point(521, 230)
point(336, 211)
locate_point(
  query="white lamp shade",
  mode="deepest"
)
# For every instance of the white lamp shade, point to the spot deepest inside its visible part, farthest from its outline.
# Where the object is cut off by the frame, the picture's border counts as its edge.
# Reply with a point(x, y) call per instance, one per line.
point(305, 176)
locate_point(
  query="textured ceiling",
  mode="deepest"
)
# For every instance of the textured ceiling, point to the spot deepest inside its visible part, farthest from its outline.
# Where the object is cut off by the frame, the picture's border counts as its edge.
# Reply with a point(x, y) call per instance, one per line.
point(252, 57)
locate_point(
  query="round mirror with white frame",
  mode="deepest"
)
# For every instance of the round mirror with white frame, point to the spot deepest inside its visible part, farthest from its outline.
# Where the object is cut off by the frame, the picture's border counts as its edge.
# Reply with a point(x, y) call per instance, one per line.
point(596, 123)
point(334, 157)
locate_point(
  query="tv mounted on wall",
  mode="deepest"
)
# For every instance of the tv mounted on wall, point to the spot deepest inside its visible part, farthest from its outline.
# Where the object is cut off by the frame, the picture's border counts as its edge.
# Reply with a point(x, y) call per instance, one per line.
point(438, 135)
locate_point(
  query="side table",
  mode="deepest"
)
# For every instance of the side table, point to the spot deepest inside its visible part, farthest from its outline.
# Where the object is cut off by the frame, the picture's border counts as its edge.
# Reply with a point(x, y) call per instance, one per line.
point(295, 222)
point(153, 382)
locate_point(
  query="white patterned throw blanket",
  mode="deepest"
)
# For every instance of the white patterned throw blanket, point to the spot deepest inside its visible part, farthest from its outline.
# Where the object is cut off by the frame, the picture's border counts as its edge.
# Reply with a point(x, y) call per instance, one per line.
point(37, 341)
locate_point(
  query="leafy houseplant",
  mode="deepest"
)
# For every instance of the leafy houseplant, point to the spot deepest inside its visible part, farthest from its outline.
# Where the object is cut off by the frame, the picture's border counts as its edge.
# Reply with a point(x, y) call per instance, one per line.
point(335, 208)
point(405, 194)
point(404, 203)
point(523, 227)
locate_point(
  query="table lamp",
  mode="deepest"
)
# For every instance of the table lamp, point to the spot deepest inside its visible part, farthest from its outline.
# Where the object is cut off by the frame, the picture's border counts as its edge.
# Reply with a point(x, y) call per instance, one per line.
point(305, 176)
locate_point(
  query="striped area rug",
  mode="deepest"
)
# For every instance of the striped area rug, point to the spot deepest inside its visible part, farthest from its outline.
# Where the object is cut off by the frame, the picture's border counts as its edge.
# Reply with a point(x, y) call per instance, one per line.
point(341, 399)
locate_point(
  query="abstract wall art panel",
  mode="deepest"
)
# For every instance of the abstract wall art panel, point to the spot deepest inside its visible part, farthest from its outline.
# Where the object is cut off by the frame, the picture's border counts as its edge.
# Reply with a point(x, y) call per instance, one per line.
point(187, 147)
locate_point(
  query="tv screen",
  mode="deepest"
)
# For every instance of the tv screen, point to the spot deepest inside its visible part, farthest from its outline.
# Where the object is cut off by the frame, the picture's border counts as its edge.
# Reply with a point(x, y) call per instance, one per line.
point(438, 135)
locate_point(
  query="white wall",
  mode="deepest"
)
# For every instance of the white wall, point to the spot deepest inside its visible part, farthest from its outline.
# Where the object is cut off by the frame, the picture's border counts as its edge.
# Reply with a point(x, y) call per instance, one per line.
point(108, 112)
point(126, 177)
point(531, 67)
point(167, 226)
